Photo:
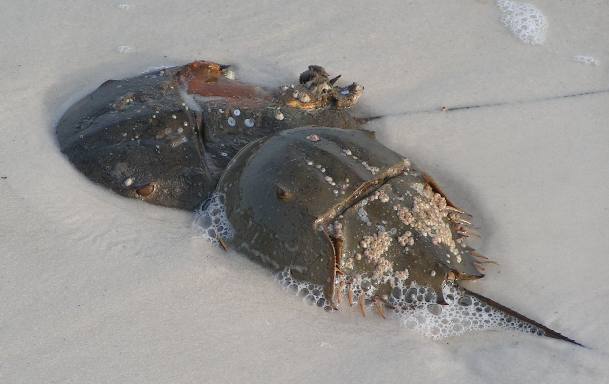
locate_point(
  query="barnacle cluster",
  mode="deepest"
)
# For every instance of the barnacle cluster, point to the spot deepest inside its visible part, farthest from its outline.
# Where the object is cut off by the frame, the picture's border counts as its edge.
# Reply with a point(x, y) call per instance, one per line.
point(374, 247)
point(429, 216)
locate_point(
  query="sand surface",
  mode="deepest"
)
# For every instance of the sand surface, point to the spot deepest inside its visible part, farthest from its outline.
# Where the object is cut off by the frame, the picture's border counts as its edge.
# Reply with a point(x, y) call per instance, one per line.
point(96, 288)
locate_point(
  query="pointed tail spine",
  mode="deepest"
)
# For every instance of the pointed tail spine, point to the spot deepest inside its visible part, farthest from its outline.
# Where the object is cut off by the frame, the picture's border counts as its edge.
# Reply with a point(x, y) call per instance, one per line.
point(546, 331)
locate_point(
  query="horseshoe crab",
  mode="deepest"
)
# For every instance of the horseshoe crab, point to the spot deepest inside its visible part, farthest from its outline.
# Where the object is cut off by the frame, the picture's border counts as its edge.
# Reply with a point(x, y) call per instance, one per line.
point(289, 178)
point(166, 136)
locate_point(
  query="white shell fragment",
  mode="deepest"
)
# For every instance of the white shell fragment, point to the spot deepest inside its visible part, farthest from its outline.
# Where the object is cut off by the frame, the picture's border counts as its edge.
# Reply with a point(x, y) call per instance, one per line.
point(279, 115)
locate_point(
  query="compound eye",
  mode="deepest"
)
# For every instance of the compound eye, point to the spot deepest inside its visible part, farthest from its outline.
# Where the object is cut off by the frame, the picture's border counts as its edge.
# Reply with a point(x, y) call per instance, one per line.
point(283, 193)
point(145, 190)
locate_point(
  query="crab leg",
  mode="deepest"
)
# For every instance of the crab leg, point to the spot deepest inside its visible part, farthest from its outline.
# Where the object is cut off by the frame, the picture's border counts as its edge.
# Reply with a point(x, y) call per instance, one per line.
point(362, 304)
point(223, 244)
point(378, 307)
point(350, 295)
point(339, 292)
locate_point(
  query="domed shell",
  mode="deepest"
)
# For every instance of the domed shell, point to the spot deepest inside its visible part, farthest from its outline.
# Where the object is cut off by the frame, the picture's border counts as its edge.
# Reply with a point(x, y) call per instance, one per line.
point(317, 200)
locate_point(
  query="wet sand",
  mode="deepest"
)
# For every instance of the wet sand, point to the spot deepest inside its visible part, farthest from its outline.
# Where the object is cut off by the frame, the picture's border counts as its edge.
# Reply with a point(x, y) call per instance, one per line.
point(98, 288)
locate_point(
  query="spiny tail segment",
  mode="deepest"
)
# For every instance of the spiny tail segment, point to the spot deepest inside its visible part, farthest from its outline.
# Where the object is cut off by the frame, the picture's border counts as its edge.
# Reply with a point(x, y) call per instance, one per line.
point(543, 330)
point(463, 107)
point(418, 308)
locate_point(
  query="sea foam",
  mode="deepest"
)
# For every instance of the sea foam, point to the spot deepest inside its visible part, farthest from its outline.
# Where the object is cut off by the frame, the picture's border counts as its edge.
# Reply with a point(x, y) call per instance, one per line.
point(416, 307)
point(585, 59)
point(525, 21)
point(211, 220)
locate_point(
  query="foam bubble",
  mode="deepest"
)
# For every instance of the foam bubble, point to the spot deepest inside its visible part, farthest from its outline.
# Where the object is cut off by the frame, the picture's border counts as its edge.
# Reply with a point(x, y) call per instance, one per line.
point(584, 59)
point(525, 21)
point(124, 49)
point(311, 293)
point(416, 307)
point(462, 314)
point(211, 220)
point(314, 294)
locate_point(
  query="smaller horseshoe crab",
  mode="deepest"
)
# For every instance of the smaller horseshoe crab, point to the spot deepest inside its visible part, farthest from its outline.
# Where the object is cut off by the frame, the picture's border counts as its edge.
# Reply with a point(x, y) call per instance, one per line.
point(289, 178)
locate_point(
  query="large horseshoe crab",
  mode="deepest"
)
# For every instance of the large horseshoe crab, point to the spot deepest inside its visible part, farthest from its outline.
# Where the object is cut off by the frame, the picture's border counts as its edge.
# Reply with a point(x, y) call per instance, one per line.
point(289, 178)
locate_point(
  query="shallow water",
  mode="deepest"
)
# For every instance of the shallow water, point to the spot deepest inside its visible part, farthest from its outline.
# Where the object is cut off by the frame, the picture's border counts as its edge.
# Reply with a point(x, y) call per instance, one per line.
point(98, 288)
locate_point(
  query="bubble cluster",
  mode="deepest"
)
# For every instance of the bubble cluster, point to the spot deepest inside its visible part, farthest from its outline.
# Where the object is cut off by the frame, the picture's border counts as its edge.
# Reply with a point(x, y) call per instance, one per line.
point(525, 21)
point(585, 59)
point(124, 49)
point(415, 306)
point(311, 293)
point(211, 220)
point(363, 287)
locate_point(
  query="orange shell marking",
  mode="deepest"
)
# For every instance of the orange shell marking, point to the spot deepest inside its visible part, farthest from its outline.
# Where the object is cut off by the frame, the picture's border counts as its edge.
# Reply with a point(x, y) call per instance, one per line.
point(206, 78)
